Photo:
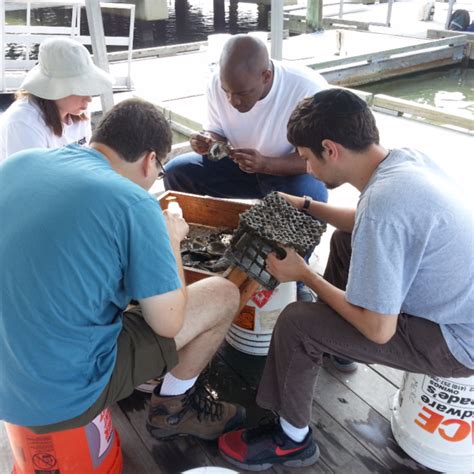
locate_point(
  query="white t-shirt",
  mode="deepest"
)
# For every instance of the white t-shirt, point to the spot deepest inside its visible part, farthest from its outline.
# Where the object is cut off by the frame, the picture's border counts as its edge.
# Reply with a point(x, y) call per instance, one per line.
point(263, 128)
point(22, 126)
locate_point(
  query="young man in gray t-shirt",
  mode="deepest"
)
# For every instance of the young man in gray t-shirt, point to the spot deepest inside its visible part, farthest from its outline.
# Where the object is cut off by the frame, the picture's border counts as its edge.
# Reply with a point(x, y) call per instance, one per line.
point(397, 289)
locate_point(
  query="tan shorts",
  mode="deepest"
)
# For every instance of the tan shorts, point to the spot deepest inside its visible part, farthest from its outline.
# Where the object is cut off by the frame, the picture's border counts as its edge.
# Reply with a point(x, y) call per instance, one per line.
point(141, 355)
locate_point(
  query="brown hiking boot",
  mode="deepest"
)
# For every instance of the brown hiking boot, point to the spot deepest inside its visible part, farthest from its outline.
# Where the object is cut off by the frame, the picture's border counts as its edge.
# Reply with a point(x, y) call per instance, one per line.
point(194, 413)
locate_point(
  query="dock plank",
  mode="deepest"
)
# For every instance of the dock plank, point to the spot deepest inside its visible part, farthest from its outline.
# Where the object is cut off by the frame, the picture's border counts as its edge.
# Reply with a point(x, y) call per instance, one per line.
point(363, 422)
point(340, 449)
point(394, 376)
point(136, 458)
point(369, 386)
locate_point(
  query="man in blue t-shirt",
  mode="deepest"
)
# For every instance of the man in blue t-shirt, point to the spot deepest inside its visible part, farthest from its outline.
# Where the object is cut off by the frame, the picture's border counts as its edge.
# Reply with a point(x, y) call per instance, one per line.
point(397, 289)
point(81, 238)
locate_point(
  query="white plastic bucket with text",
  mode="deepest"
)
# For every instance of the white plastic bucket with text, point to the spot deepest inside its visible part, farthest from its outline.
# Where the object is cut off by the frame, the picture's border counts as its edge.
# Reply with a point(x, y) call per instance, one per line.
point(252, 329)
point(432, 421)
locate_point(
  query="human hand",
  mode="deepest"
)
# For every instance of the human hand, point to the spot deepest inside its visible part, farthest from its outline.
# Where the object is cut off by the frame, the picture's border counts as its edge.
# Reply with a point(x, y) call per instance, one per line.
point(200, 143)
point(249, 160)
point(178, 228)
point(290, 268)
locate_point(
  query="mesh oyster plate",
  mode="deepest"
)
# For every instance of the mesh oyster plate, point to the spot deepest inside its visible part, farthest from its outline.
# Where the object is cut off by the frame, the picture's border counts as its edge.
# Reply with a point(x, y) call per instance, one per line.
point(267, 227)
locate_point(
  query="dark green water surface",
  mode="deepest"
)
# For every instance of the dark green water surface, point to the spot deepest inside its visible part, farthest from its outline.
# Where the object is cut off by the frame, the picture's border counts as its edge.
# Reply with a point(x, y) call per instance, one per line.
point(449, 89)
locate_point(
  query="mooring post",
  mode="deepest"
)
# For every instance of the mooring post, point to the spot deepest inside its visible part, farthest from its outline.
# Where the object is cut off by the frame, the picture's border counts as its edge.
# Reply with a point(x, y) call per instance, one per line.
point(314, 15)
point(96, 30)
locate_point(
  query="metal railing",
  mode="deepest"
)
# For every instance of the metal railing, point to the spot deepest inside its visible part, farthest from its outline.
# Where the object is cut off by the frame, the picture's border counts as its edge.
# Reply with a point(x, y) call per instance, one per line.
point(27, 35)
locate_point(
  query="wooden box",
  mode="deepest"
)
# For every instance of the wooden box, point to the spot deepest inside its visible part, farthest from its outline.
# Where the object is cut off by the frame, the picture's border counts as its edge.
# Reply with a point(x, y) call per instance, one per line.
point(204, 210)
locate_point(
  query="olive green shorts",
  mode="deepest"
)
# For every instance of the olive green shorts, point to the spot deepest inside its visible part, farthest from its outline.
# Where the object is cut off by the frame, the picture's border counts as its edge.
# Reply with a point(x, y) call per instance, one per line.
point(141, 355)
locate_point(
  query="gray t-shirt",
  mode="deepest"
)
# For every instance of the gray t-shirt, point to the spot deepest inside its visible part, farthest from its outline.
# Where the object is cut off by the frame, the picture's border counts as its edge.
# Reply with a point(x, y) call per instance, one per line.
point(413, 248)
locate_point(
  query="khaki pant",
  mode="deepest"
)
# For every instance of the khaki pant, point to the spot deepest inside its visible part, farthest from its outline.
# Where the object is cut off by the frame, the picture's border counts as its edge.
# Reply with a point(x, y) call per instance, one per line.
point(305, 331)
point(141, 355)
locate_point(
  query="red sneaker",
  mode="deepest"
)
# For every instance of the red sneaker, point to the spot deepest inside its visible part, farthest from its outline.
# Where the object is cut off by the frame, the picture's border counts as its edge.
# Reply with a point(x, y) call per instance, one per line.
point(259, 448)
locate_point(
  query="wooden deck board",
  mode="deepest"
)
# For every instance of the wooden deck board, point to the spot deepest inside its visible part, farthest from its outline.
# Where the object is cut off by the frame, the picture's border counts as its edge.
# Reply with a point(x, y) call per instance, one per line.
point(363, 422)
point(369, 386)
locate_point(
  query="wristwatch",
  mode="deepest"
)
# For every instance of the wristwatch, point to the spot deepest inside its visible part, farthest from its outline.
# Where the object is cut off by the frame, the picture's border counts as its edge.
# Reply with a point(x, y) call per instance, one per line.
point(306, 203)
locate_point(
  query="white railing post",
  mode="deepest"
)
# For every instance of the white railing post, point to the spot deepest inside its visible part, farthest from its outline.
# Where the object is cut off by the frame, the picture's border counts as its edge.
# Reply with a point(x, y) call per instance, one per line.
point(449, 13)
point(277, 29)
point(96, 30)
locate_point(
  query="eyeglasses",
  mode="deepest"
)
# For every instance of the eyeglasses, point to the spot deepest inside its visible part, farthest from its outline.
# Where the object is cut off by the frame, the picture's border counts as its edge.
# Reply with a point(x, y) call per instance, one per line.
point(161, 171)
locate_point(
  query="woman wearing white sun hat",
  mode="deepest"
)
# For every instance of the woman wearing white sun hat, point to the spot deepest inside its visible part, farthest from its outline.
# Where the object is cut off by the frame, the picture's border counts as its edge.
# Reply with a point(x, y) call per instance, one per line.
point(50, 108)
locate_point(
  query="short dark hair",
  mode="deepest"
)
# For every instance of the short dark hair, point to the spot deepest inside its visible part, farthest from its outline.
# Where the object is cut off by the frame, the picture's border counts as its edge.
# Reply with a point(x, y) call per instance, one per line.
point(334, 114)
point(132, 128)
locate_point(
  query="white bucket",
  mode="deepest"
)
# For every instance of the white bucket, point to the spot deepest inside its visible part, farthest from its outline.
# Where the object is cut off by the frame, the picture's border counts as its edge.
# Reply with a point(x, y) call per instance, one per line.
point(432, 421)
point(252, 329)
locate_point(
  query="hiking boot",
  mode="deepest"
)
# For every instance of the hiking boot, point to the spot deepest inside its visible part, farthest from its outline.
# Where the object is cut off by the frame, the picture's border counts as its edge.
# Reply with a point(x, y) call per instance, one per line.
point(259, 448)
point(194, 413)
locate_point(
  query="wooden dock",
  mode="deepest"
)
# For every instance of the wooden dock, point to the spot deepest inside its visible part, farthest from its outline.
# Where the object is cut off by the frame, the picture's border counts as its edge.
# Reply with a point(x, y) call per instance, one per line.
point(165, 80)
point(351, 422)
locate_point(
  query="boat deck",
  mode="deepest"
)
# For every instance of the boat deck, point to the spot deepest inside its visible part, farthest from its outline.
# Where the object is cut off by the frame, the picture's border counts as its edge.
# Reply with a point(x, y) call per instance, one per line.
point(351, 422)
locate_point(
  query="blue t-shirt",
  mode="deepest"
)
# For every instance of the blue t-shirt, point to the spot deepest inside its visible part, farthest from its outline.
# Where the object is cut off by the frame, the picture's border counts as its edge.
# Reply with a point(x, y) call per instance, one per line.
point(413, 249)
point(78, 242)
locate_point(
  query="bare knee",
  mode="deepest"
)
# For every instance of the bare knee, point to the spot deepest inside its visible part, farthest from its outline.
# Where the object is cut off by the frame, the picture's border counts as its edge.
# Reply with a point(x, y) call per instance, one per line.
point(225, 296)
point(230, 295)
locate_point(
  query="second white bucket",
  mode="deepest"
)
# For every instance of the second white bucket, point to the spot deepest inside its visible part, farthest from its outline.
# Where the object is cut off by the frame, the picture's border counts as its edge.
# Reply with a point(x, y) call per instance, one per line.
point(251, 331)
point(432, 421)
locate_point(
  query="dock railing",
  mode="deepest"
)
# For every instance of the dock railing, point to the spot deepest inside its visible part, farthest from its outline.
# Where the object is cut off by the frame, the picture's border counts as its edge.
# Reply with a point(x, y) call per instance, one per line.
point(14, 70)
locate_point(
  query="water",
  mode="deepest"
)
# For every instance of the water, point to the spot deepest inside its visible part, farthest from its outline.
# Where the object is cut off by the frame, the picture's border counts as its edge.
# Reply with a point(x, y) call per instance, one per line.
point(189, 20)
point(449, 89)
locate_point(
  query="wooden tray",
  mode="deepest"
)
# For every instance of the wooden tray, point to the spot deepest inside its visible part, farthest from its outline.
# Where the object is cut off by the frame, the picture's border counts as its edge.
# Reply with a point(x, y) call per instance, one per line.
point(204, 210)
point(212, 212)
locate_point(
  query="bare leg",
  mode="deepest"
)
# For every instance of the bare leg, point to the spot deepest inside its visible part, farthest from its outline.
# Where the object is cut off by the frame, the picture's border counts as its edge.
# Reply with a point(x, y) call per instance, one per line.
point(212, 305)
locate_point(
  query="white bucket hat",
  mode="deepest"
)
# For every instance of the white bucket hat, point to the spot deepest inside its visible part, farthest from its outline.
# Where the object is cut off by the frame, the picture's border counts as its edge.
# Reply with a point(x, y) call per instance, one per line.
point(65, 68)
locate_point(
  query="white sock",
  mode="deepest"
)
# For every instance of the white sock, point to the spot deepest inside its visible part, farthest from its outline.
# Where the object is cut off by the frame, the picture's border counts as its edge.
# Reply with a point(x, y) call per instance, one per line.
point(172, 386)
point(296, 434)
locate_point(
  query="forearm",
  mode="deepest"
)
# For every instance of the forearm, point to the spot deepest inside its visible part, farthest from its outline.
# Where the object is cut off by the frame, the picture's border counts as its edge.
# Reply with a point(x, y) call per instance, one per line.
point(373, 326)
point(176, 247)
point(341, 218)
point(287, 165)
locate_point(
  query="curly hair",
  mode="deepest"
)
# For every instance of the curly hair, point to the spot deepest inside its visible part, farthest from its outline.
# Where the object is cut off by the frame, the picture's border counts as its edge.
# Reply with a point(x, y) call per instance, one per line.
point(334, 114)
point(134, 127)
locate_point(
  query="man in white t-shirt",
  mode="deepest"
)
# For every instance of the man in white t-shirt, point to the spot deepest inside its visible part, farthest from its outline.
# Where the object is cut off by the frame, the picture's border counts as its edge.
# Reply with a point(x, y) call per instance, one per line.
point(249, 102)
